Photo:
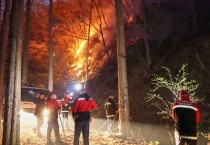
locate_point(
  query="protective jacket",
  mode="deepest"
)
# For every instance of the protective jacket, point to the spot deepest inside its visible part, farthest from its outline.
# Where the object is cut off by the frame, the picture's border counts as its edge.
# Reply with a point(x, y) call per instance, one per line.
point(52, 106)
point(110, 108)
point(66, 105)
point(82, 106)
point(186, 115)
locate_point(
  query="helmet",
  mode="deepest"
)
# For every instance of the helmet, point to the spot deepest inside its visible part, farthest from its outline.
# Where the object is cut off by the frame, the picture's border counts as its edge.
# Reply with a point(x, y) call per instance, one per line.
point(184, 93)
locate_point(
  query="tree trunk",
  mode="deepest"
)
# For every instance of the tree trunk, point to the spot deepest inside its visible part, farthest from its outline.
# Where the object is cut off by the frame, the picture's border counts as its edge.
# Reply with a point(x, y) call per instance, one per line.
point(50, 83)
point(88, 42)
point(10, 87)
point(124, 123)
point(3, 48)
point(26, 42)
point(11, 132)
point(1, 10)
point(17, 97)
point(146, 32)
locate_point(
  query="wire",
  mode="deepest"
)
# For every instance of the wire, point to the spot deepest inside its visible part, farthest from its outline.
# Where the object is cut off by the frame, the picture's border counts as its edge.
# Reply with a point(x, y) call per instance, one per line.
point(101, 126)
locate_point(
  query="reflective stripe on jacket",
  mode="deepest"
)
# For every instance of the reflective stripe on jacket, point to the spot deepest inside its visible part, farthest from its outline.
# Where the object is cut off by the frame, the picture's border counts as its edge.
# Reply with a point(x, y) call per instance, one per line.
point(110, 108)
point(186, 115)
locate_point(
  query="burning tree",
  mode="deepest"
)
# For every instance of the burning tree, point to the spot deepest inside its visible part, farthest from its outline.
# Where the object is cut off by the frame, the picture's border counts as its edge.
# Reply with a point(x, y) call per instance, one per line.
point(174, 84)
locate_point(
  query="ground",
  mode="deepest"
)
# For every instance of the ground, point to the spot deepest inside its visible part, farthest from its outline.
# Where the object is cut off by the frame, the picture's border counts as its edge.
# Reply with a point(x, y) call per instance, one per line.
point(140, 134)
point(97, 137)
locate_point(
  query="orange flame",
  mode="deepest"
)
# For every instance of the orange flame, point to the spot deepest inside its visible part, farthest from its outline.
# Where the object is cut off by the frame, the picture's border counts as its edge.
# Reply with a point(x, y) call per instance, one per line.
point(79, 59)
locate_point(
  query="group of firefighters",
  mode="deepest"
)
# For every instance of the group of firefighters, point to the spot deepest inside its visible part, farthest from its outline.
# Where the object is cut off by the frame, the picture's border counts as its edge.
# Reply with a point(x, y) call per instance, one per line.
point(80, 108)
point(185, 114)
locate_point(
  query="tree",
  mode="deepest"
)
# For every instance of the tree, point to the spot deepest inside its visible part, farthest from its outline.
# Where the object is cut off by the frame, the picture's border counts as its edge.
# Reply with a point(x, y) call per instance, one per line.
point(124, 124)
point(1, 9)
point(101, 31)
point(70, 32)
point(26, 43)
point(17, 97)
point(174, 84)
point(146, 32)
point(88, 43)
point(3, 48)
point(50, 83)
point(13, 88)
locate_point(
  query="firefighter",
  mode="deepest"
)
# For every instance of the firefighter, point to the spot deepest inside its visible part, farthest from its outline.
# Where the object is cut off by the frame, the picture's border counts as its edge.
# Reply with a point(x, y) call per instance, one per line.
point(39, 101)
point(81, 115)
point(111, 108)
point(186, 116)
point(53, 108)
point(66, 107)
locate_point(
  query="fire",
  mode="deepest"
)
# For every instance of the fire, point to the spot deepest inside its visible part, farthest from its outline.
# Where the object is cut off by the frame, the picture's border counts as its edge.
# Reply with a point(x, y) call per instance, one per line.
point(79, 73)
point(80, 48)
point(80, 56)
point(130, 19)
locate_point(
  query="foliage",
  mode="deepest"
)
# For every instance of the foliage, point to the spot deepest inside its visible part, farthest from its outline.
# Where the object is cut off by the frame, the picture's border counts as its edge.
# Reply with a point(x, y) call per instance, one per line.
point(174, 84)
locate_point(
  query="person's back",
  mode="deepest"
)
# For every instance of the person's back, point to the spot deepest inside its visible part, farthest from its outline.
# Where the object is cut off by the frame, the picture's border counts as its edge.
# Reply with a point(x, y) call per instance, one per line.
point(185, 113)
point(186, 116)
point(81, 114)
point(82, 107)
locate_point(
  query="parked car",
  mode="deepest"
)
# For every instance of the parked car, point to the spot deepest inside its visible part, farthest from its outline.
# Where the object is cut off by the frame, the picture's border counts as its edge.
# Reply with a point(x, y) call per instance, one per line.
point(27, 97)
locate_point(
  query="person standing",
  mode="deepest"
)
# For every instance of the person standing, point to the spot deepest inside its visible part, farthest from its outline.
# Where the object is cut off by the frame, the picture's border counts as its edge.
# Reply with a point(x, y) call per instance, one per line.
point(39, 101)
point(111, 110)
point(81, 115)
point(186, 116)
point(53, 107)
point(66, 107)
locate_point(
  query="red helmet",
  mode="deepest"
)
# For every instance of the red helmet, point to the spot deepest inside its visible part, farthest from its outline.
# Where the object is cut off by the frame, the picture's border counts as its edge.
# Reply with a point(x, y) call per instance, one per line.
point(184, 93)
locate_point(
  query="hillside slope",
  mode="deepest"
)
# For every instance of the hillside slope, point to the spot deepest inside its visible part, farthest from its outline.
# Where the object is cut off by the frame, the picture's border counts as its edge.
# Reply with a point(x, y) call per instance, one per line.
point(170, 53)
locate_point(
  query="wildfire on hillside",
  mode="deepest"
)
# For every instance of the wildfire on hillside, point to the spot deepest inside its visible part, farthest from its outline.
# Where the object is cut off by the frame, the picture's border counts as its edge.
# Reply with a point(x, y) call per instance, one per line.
point(70, 31)
point(79, 64)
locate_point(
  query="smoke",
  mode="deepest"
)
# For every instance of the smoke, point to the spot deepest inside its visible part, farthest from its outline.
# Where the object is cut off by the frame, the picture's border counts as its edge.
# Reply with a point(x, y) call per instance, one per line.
point(164, 134)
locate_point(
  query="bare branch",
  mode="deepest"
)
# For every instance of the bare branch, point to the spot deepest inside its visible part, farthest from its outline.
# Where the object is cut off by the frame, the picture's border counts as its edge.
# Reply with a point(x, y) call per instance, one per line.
point(102, 35)
point(202, 65)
